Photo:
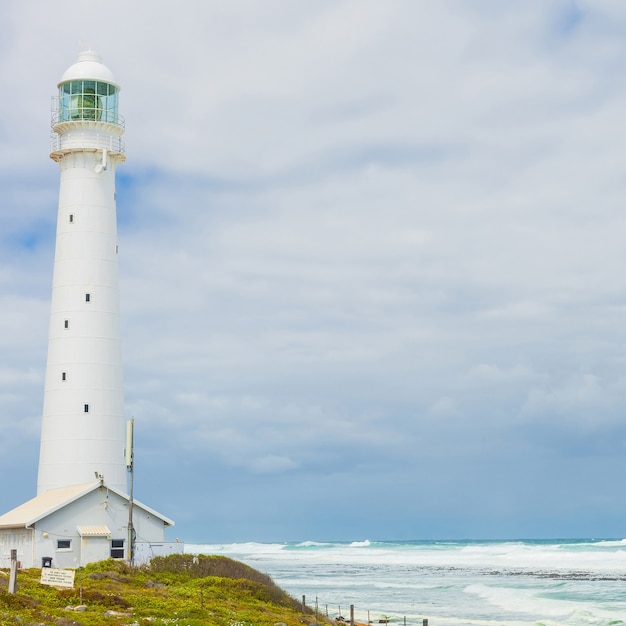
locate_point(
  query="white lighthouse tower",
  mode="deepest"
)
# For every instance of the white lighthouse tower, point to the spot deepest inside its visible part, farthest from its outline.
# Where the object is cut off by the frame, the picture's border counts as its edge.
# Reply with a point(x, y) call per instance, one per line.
point(83, 426)
point(82, 512)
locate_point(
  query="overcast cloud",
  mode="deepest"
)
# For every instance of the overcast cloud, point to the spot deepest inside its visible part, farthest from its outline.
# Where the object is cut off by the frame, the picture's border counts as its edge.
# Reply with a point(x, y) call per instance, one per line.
point(372, 261)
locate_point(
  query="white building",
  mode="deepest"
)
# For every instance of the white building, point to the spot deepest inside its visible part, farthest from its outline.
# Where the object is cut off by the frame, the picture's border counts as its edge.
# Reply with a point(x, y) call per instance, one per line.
point(81, 512)
point(76, 525)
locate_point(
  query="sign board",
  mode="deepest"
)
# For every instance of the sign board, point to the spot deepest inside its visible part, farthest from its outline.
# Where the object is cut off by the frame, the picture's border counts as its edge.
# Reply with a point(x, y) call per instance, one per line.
point(57, 577)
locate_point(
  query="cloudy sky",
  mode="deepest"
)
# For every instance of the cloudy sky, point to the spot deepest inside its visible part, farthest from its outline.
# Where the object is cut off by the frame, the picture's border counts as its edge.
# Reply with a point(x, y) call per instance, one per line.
point(372, 261)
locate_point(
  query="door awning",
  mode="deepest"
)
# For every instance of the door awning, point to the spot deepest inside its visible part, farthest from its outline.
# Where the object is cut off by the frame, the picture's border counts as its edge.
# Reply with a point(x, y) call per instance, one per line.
point(94, 531)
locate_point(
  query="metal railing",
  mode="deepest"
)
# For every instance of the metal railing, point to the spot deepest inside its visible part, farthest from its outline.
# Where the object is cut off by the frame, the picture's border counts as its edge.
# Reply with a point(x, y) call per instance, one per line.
point(86, 140)
point(84, 113)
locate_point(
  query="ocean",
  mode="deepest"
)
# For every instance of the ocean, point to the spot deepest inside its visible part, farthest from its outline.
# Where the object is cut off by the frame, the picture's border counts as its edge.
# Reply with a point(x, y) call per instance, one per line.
point(565, 582)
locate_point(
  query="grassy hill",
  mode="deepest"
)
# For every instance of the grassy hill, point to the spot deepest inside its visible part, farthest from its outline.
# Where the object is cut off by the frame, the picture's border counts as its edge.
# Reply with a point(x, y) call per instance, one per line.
point(179, 590)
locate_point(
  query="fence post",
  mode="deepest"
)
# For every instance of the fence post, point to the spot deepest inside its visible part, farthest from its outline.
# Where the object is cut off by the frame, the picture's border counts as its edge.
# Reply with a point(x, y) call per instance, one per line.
point(304, 604)
point(424, 622)
point(13, 574)
point(352, 615)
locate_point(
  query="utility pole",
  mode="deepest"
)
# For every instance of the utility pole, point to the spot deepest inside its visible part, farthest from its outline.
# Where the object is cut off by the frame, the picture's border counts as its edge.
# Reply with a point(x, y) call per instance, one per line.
point(130, 458)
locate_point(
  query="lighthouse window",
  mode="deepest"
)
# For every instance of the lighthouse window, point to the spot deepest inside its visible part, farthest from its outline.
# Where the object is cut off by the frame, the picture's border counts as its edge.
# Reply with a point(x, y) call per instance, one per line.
point(87, 297)
point(67, 324)
point(86, 408)
point(71, 218)
point(64, 376)
point(88, 100)
point(117, 548)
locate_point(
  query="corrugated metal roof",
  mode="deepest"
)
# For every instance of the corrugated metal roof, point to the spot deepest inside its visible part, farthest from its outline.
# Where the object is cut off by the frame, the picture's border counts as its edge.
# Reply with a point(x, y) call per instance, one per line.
point(42, 505)
point(93, 531)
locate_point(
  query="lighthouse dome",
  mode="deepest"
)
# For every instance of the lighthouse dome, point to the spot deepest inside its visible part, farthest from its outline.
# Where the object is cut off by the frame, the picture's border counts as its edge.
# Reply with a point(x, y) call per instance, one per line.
point(87, 93)
point(89, 67)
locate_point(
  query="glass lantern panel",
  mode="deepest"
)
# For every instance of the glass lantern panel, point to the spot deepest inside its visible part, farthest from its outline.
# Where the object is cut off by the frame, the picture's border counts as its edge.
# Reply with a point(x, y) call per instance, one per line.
point(88, 100)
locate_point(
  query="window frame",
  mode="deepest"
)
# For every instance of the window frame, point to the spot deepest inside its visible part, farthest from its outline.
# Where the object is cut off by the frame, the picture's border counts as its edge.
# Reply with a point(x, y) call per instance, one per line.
point(64, 548)
point(118, 545)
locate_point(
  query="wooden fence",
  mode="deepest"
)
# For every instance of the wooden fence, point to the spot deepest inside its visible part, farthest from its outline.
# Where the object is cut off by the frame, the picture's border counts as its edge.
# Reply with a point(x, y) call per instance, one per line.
point(350, 620)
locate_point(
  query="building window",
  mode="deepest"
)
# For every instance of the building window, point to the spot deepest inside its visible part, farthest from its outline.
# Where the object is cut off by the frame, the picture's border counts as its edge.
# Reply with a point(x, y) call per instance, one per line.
point(71, 218)
point(67, 324)
point(86, 408)
point(63, 375)
point(64, 544)
point(117, 548)
point(87, 297)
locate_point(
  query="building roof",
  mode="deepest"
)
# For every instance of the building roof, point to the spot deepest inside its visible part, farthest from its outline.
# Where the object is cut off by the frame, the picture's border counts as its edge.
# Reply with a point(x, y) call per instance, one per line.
point(50, 501)
point(43, 505)
point(89, 67)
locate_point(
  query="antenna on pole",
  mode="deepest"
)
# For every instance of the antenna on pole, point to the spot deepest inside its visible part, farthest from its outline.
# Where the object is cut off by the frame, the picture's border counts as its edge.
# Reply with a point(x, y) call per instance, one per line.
point(130, 456)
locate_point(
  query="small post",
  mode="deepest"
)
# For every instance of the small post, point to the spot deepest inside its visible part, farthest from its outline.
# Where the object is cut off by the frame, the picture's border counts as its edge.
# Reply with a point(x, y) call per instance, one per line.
point(316, 608)
point(13, 574)
point(424, 622)
point(304, 604)
point(405, 620)
point(352, 615)
point(369, 621)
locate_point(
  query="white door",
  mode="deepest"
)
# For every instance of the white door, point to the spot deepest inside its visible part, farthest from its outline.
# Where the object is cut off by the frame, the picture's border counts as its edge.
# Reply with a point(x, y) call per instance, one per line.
point(94, 549)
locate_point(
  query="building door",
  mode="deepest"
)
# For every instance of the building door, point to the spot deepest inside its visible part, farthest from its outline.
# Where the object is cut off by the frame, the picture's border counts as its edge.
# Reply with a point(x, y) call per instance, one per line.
point(94, 549)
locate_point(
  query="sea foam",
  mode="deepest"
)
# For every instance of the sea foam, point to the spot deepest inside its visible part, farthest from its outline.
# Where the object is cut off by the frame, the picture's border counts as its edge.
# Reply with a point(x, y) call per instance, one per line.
point(478, 583)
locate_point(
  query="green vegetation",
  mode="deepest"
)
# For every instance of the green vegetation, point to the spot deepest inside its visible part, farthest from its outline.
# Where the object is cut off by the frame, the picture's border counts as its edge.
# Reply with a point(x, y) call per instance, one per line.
point(178, 590)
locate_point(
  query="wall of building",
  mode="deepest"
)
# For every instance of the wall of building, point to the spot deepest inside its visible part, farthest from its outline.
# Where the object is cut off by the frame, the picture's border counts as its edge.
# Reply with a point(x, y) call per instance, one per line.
point(100, 507)
point(20, 539)
point(145, 551)
point(83, 426)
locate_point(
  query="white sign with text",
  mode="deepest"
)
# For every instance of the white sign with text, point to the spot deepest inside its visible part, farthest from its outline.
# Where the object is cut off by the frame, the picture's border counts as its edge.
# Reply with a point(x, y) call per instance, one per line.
point(57, 577)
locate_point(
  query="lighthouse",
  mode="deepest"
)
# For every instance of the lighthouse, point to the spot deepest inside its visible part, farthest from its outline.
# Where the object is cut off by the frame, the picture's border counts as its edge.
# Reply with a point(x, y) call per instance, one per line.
point(83, 424)
point(82, 511)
